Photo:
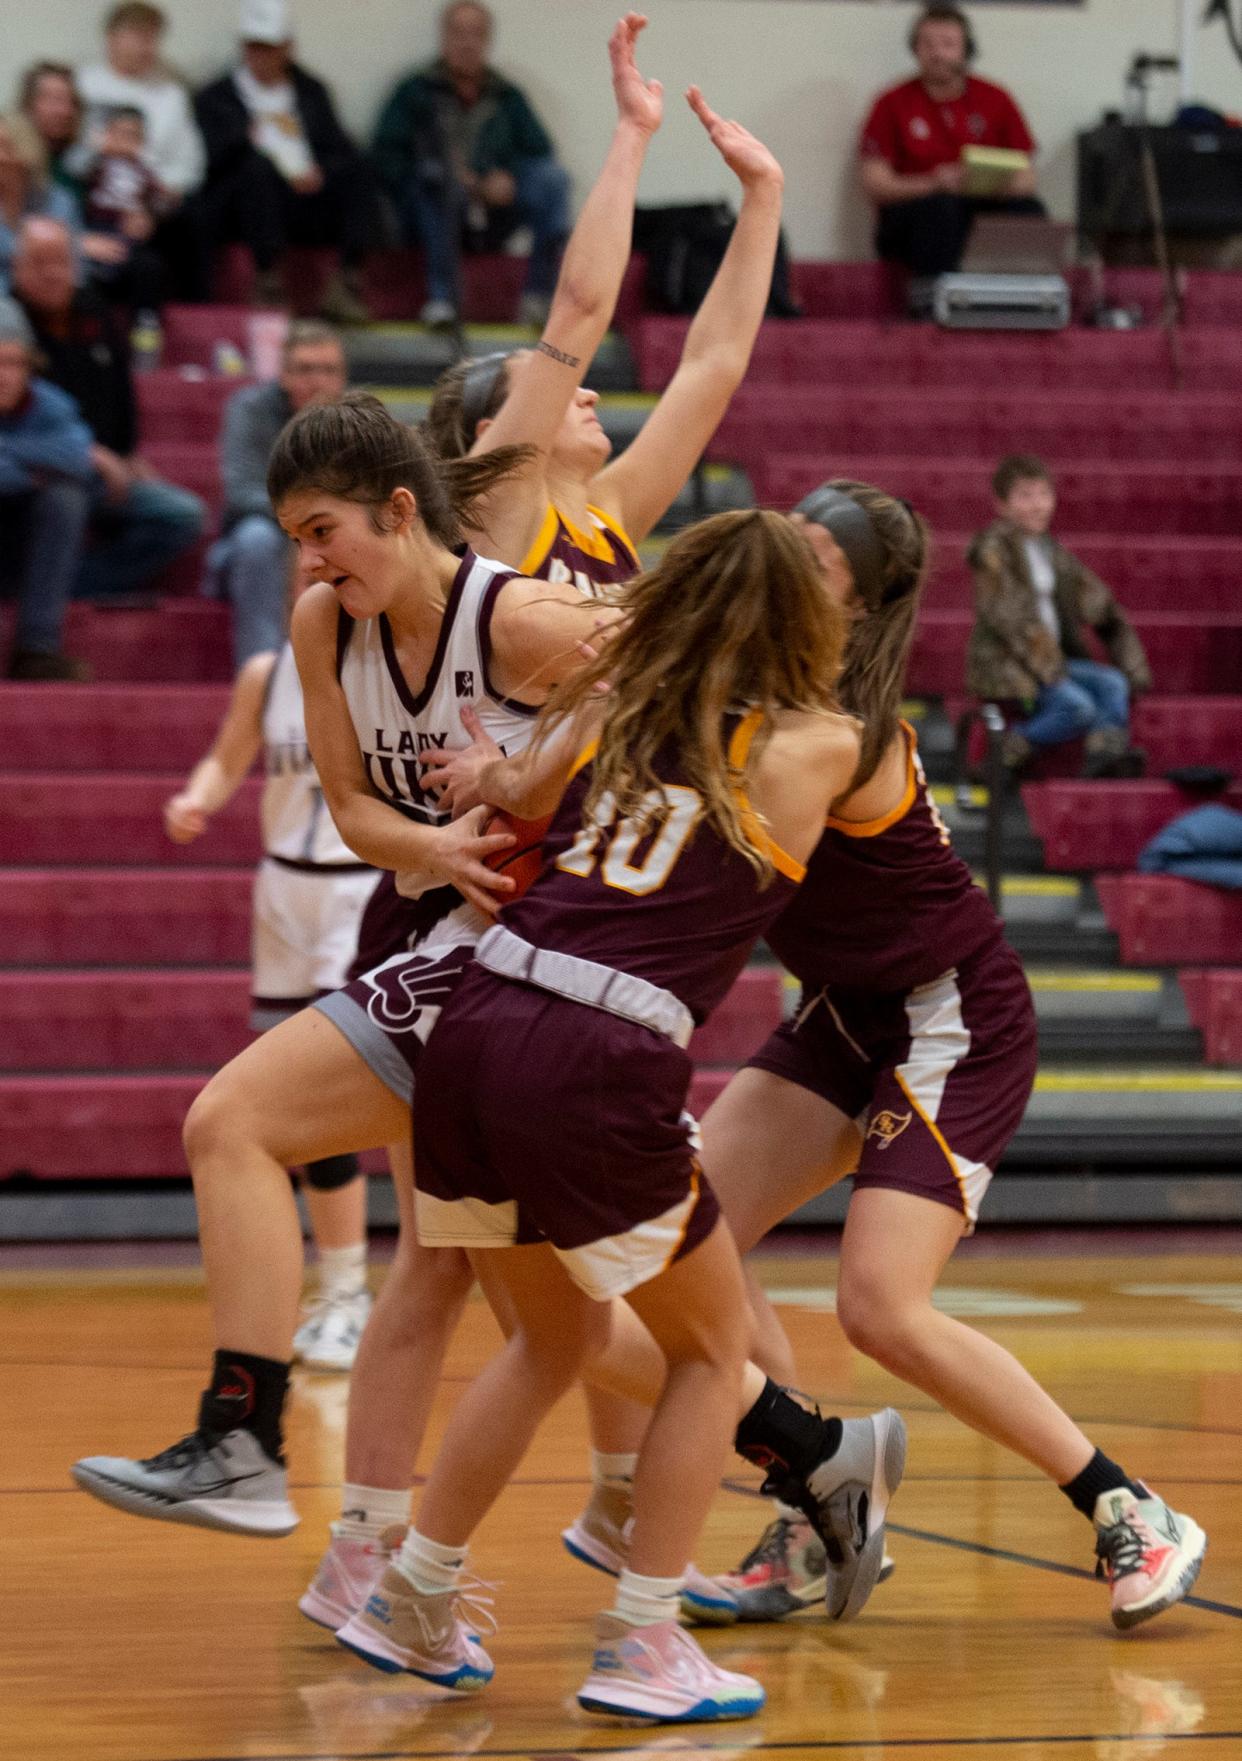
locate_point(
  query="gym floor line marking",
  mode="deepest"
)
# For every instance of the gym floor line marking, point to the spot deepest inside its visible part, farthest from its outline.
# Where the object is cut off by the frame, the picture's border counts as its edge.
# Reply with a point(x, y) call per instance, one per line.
point(820, 1746)
point(726, 1485)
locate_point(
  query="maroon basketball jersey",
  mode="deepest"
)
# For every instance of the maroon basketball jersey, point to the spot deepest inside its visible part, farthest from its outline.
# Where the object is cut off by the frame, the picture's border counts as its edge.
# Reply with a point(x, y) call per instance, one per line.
point(886, 904)
point(675, 905)
point(590, 558)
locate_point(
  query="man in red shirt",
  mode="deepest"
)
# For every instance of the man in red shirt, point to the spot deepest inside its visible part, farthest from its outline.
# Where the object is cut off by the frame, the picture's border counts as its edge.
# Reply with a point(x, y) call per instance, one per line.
point(912, 143)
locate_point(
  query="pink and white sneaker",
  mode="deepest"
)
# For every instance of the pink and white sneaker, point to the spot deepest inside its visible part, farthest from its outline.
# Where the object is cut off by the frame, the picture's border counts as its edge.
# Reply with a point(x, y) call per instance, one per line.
point(347, 1573)
point(660, 1673)
point(420, 1632)
point(600, 1537)
point(1150, 1554)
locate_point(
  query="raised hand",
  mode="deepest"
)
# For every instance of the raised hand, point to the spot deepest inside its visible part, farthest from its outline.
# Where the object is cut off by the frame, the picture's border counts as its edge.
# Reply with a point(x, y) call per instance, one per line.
point(639, 100)
point(747, 158)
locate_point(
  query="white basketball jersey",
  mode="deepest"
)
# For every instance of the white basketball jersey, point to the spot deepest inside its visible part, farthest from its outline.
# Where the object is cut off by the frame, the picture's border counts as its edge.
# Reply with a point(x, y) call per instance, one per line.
point(396, 726)
point(296, 823)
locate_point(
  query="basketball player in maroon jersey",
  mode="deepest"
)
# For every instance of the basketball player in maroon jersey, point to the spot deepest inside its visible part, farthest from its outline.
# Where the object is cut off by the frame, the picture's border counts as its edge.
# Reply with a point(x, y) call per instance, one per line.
point(573, 515)
point(908, 1062)
point(567, 516)
point(680, 835)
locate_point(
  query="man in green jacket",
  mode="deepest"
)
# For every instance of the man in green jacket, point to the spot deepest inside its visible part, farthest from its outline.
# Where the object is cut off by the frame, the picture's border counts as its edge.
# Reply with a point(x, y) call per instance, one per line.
point(461, 151)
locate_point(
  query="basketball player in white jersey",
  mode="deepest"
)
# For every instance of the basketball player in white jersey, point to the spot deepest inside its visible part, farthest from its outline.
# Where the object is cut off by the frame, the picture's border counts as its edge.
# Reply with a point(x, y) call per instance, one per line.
point(395, 635)
point(310, 891)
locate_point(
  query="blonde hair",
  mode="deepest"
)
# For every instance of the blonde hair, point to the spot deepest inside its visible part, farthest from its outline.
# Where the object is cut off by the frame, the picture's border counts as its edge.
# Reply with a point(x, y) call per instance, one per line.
point(28, 146)
point(734, 616)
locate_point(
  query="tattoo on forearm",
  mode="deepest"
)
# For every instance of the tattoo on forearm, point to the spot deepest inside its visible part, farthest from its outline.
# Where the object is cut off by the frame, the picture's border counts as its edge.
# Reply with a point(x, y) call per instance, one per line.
point(545, 348)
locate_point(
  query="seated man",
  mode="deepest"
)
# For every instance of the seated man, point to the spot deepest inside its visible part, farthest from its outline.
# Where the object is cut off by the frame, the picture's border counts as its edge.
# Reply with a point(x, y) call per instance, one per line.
point(280, 168)
point(912, 145)
point(45, 496)
point(1033, 603)
point(139, 524)
point(250, 564)
point(461, 151)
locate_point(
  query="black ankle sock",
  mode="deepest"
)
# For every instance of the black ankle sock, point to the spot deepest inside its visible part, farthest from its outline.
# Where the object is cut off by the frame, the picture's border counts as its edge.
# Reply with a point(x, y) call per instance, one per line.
point(246, 1393)
point(778, 1434)
point(1099, 1475)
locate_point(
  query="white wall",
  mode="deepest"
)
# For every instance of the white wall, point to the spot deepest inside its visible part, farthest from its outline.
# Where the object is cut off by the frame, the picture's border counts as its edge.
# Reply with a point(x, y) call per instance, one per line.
point(799, 72)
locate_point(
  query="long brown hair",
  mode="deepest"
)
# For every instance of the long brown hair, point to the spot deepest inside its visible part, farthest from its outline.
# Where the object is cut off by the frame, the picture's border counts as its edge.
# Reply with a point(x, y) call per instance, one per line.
point(354, 448)
point(878, 648)
point(464, 394)
point(734, 614)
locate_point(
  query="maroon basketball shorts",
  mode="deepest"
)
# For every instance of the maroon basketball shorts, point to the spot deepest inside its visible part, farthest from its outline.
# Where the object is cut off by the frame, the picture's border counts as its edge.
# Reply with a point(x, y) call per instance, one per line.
point(540, 1117)
point(936, 1078)
point(388, 1012)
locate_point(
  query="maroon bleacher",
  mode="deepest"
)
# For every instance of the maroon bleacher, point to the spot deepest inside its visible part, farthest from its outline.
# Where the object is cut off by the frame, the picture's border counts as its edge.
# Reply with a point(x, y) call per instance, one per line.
point(1089, 826)
point(108, 727)
point(1192, 652)
point(184, 640)
point(105, 817)
point(1162, 921)
point(69, 916)
point(1214, 999)
point(90, 1020)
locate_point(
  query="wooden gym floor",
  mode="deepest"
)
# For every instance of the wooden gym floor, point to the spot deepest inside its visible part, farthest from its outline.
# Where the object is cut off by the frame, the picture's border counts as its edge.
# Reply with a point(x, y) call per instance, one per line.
point(126, 1640)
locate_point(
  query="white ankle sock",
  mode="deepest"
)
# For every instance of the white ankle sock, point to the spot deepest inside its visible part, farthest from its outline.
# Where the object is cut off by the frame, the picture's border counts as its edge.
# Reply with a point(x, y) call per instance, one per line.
point(342, 1270)
point(646, 1601)
point(616, 1471)
point(366, 1511)
point(429, 1565)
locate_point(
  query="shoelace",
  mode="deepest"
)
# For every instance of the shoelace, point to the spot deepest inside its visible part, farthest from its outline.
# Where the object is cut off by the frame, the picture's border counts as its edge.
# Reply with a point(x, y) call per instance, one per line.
point(475, 1601)
point(1119, 1549)
point(190, 1450)
point(770, 1546)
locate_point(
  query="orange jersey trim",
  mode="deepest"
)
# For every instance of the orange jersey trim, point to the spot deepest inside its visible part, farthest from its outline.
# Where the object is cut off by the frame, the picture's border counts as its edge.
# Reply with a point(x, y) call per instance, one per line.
point(594, 544)
point(739, 751)
point(583, 759)
point(936, 1132)
point(871, 828)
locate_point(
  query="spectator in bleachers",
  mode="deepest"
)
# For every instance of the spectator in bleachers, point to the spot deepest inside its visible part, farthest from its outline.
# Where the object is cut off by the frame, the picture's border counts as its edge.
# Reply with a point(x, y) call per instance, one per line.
point(280, 168)
point(27, 189)
point(913, 142)
point(1034, 603)
point(48, 98)
point(249, 565)
point(134, 74)
point(122, 204)
point(46, 479)
point(139, 524)
point(463, 155)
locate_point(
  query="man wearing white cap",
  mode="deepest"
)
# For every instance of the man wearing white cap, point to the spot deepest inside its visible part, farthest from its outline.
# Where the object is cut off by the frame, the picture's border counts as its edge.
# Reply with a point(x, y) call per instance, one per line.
point(280, 168)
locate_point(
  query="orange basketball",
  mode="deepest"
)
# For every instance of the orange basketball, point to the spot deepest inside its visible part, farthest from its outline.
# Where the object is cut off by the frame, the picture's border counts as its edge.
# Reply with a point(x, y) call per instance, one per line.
point(523, 862)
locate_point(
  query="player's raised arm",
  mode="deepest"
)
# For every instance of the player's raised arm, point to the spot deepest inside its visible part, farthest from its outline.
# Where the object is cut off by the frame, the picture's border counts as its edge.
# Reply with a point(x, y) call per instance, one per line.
point(582, 305)
point(643, 483)
point(219, 773)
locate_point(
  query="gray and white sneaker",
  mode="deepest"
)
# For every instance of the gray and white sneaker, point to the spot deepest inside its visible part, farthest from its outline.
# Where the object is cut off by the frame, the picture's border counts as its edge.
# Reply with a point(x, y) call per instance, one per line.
point(849, 1498)
point(329, 1337)
point(228, 1482)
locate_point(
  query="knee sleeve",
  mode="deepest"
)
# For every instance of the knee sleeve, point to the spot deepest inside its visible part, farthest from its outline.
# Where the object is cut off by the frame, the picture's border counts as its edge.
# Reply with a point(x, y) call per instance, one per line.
point(332, 1172)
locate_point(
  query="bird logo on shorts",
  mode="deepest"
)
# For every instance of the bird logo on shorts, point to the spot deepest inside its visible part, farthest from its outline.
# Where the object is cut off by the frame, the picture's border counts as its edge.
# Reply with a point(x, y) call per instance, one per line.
point(888, 1125)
